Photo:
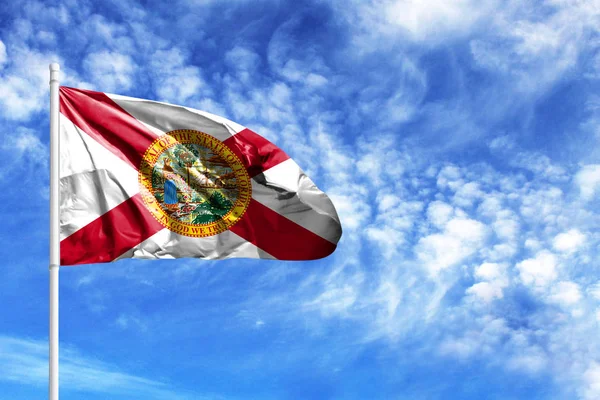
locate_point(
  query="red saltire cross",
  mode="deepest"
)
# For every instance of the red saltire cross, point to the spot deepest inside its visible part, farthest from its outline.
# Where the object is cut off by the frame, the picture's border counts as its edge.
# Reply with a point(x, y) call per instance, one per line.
point(130, 223)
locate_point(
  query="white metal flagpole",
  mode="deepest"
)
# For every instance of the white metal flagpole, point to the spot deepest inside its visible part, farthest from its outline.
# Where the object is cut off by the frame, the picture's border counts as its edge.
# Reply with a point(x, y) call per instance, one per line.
point(54, 232)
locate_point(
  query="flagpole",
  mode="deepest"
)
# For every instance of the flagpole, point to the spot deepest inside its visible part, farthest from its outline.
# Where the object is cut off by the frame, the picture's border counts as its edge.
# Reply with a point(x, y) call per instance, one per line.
point(54, 233)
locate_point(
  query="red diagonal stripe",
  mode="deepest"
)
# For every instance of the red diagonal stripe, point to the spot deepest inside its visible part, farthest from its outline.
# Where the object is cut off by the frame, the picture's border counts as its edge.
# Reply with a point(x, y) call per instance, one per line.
point(110, 235)
point(256, 152)
point(280, 237)
point(101, 118)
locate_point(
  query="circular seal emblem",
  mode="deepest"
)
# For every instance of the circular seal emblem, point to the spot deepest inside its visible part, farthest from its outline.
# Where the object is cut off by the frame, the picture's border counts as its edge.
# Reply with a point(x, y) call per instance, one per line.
point(193, 184)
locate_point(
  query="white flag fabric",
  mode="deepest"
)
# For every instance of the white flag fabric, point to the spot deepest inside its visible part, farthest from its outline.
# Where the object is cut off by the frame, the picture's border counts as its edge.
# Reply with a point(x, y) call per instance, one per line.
point(144, 179)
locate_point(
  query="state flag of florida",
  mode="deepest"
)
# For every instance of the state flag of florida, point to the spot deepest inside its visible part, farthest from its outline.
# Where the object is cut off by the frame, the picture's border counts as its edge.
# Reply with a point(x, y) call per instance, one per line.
point(143, 179)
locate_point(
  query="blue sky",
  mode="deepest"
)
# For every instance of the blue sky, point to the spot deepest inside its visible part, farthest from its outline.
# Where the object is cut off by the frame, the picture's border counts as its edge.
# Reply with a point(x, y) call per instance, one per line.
point(459, 141)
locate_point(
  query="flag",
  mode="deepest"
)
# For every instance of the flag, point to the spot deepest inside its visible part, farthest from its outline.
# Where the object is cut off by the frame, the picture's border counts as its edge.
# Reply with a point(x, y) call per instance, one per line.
point(144, 179)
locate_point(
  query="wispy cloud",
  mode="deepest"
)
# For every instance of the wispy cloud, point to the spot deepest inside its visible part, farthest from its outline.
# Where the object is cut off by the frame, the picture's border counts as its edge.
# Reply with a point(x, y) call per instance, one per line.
point(25, 361)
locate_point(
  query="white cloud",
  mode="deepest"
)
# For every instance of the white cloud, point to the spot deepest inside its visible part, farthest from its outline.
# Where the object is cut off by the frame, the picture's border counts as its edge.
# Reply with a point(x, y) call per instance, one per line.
point(38, 11)
point(410, 84)
point(387, 238)
point(243, 61)
point(569, 241)
point(114, 72)
point(592, 380)
point(461, 238)
point(542, 206)
point(316, 80)
point(211, 106)
point(532, 359)
point(493, 281)
point(588, 181)
point(24, 91)
point(540, 164)
point(103, 30)
point(459, 347)
point(500, 252)
point(23, 150)
point(481, 337)
point(352, 209)
point(3, 55)
point(467, 194)
point(486, 291)
point(379, 162)
point(507, 228)
point(25, 361)
point(594, 290)
point(490, 206)
point(565, 293)
point(466, 229)
point(281, 95)
point(427, 21)
point(439, 213)
point(532, 244)
point(450, 177)
point(490, 271)
point(26, 144)
point(531, 53)
point(175, 80)
point(387, 201)
point(128, 321)
point(289, 57)
point(334, 300)
point(540, 270)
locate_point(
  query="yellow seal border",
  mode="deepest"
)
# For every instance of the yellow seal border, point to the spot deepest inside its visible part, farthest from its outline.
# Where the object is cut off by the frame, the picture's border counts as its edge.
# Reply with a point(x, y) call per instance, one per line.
point(182, 136)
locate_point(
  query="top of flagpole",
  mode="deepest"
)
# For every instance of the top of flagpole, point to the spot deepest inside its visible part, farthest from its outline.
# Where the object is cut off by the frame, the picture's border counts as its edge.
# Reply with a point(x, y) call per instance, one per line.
point(54, 69)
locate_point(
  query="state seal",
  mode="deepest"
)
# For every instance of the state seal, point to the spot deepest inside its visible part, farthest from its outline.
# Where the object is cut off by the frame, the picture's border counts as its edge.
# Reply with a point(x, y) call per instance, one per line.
point(193, 184)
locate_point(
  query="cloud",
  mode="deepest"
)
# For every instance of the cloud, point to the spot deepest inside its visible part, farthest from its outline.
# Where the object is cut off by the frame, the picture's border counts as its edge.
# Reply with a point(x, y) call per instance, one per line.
point(24, 152)
point(428, 22)
point(594, 290)
point(393, 225)
point(490, 271)
point(112, 71)
point(540, 270)
point(540, 164)
point(450, 177)
point(569, 241)
point(531, 53)
point(565, 293)
point(461, 238)
point(483, 336)
point(439, 213)
point(431, 20)
point(334, 300)
point(532, 360)
point(486, 291)
point(128, 321)
point(244, 62)
point(467, 194)
point(507, 226)
point(175, 80)
point(3, 56)
point(353, 211)
point(26, 362)
point(493, 279)
point(289, 56)
point(588, 181)
point(592, 378)
point(24, 91)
